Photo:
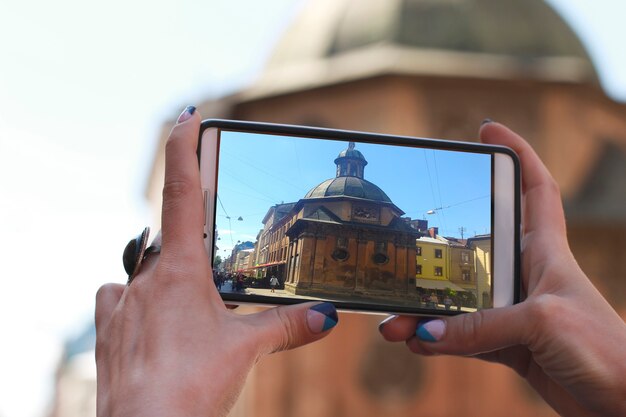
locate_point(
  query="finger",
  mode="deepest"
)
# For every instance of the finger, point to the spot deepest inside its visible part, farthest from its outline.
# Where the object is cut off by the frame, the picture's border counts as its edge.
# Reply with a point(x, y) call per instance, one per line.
point(415, 346)
point(543, 207)
point(288, 327)
point(182, 213)
point(398, 328)
point(107, 298)
point(515, 357)
point(476, 333)
point(519, 358)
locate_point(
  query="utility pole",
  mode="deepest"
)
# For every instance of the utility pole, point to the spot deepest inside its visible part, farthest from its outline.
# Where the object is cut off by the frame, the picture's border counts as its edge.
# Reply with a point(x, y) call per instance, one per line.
point(462, 230)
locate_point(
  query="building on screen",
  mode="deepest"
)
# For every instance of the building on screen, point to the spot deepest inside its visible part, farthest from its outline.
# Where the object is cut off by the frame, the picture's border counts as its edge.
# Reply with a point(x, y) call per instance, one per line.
point(345, 236)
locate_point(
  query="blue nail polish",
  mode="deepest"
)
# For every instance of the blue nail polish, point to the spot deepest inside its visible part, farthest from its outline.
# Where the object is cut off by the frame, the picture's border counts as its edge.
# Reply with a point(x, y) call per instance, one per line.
point(186, 114)
point(422, 334)
point(431, 330)
point(322, 317)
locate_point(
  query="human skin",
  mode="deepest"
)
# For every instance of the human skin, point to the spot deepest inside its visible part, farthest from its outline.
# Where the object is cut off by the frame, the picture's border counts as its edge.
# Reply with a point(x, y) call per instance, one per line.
point(564, 338)
point(166, 344)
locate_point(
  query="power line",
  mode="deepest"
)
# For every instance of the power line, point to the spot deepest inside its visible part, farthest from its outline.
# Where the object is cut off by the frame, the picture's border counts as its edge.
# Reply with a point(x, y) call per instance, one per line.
point(443, 216)
point(430, 181)
point(230, 226)
point(298, 187)
point(437, 209)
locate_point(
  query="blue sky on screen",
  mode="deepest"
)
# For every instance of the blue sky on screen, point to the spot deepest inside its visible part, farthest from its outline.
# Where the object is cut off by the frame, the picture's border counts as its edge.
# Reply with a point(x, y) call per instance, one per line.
point(257, 171)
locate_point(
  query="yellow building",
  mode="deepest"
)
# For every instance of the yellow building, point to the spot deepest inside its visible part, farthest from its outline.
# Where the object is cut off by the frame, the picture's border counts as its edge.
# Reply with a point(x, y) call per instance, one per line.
point(431, 260)
point(462, 267)
point(481, 246)
point(433, 270)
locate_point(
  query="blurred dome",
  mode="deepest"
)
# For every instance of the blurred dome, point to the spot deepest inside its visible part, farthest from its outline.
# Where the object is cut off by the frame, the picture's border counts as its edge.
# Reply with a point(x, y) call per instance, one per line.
point(339, 40)
point(527, 28)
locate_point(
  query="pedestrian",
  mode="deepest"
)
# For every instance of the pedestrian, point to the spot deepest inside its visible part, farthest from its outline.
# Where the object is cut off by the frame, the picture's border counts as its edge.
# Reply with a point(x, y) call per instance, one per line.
point(273, 283)
point(434, 300)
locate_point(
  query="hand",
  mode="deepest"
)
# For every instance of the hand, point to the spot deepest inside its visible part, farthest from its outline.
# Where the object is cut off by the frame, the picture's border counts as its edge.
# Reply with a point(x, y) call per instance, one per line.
point(166, 344)
point(565, 339)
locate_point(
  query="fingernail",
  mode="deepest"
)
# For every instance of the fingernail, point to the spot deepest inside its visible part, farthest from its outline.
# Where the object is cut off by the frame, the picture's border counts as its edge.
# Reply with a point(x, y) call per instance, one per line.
point(186, 114)
point(484, 122)
point(387, 320)
point(321, 317)
point(431, 331)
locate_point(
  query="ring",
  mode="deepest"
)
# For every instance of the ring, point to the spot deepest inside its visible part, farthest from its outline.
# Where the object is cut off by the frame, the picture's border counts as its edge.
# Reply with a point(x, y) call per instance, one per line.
point(135, 252)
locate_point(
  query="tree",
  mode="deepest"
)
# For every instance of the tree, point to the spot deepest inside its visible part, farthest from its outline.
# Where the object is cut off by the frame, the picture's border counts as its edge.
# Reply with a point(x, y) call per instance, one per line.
point(217, 261)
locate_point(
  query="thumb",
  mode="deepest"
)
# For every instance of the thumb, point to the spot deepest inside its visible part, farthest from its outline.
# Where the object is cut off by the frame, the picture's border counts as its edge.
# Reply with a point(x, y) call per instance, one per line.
point(473, 333)
point(287, 327)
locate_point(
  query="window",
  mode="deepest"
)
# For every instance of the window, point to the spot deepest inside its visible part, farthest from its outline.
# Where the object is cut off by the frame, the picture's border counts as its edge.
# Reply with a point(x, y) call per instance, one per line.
point(419, 251)
point(418, 269)
point(438, 253)
point(466, 275)
point(341, 250)
point(438, 271)
point(340, 254)
point(380, 258)
point(465, 257)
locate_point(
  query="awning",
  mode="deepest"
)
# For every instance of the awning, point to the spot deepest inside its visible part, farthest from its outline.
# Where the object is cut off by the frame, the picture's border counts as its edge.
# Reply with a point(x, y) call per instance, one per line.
point(437, 284)
point(269, 264)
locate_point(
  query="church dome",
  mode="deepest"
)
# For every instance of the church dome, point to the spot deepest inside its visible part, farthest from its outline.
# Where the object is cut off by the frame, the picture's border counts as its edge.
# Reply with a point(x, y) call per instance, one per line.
point(348, 187)
point(526, 29)
point(350, 153)
point(333, 41)
point(349, 180)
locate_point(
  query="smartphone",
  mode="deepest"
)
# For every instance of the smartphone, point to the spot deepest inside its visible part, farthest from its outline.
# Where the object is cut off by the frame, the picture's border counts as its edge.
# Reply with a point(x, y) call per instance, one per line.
point(370, 222)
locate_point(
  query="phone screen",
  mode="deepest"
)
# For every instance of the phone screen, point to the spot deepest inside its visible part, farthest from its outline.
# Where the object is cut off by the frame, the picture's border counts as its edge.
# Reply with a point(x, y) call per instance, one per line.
point(403, 228)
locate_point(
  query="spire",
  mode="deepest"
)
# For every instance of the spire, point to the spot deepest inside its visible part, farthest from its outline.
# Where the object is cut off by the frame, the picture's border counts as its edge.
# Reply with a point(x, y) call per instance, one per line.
point(350, 162)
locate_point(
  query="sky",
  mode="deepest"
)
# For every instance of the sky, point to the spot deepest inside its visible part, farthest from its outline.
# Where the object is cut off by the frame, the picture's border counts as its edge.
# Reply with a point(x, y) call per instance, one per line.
point(84, 89)
point(455, 186)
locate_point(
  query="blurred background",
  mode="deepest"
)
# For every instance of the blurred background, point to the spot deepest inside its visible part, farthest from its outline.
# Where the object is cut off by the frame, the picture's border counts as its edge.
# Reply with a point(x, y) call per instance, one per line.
point(89, 90)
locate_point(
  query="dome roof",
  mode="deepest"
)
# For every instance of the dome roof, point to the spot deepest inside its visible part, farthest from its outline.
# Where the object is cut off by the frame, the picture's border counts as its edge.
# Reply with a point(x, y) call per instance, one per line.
point(349, 180)
point(339, 40)
point(348, 187)
point(526, 29)
point(351, 153)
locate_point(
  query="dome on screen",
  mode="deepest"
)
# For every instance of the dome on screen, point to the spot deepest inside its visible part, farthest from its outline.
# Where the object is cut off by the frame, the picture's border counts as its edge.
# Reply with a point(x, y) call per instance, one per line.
point(348, 187)
point(349, 180)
